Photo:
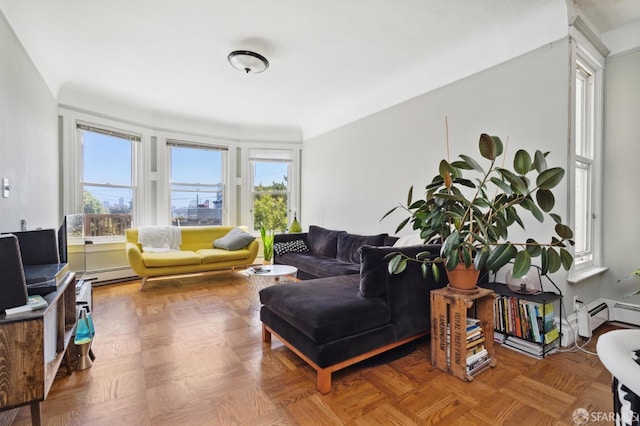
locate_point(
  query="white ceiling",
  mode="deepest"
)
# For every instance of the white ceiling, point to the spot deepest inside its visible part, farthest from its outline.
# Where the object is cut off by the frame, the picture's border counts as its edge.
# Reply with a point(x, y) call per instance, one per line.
point(332, 61)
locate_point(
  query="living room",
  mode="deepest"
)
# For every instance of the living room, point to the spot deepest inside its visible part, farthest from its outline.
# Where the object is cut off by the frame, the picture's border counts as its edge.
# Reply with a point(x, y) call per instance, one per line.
point(361, 153)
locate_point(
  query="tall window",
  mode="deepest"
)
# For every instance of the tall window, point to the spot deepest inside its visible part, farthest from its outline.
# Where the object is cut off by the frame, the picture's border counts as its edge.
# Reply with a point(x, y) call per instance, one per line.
point(197, 183)
point(270, 172)
point(584, 164)
point(107, 180)
point(587, 147)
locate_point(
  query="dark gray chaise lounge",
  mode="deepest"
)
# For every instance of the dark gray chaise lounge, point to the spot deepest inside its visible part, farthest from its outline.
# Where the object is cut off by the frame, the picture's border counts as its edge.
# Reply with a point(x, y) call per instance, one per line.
point(334, 322)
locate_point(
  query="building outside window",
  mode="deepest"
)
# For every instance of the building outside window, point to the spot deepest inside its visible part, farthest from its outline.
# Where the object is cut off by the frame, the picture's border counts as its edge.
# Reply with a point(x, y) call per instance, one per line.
point(196, 183)
point(107, 180)
point(270, 188)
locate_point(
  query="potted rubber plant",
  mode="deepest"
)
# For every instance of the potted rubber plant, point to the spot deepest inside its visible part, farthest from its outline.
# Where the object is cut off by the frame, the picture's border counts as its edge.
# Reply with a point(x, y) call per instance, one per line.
point(267, 243)
point(471, 217)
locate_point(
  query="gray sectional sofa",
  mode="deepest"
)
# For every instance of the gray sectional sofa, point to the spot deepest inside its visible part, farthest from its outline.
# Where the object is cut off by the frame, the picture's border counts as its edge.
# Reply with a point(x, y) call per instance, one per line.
point(336, 321)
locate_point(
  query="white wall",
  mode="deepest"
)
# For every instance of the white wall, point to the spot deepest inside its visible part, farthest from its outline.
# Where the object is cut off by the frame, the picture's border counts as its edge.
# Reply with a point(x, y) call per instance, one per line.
point(621, 174)
point(351, 176)
point(28, 140)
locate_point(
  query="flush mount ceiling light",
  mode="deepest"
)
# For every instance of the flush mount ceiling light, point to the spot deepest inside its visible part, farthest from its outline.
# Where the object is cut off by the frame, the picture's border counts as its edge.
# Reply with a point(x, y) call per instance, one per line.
point(248, 61)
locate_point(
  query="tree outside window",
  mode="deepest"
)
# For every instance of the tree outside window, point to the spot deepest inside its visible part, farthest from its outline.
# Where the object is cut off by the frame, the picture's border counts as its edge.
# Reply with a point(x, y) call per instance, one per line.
point(270, 195)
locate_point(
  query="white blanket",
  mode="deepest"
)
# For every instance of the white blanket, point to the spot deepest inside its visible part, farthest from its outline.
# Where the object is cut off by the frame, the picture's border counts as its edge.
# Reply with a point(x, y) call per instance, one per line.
point(159, 238)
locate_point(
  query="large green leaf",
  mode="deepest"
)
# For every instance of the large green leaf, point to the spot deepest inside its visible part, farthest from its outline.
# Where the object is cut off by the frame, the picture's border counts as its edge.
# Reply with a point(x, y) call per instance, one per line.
point(488, 147)
point(544, 261)
point(516, 181)
point(566, 259)
point(481, 257)
point(472, 163)
point(418, 204)
point(545, 199)
point(435, 271)
point(522, 162)
point(550, 178)
point(553, 260)
point(402, 224)
point(531, 206)
point(466, 257)
point(499, 145)
point(556, 218)
point(444, 169)
point(452, 260)
point(521, 265)
point(540, 161)
point(389, 212)
point(461, 165)
point(564, 231)
point(502, 185)
point(450, 244)
point(500, 256)
point(397, 265)
point(533, 248)
point(425, 270)
point(464, 182)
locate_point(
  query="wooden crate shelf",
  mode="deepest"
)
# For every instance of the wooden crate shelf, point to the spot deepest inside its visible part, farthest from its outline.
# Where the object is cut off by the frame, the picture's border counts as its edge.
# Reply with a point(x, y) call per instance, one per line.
point(450, 309)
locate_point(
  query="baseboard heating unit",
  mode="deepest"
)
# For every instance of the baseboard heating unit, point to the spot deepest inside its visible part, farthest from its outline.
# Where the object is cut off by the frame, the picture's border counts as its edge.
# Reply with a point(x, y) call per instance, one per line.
point(629, 314)
point(591, 318)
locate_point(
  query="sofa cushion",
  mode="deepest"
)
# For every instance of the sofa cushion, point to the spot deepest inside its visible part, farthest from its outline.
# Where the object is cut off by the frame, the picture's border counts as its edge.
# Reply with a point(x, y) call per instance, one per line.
point(373, 267)
point(323, 241)
point(349, 245)
point(174, 258)
point(318, 266)
point(295, 246)
point(326, 309)
point(219, 255)
point(234, 240)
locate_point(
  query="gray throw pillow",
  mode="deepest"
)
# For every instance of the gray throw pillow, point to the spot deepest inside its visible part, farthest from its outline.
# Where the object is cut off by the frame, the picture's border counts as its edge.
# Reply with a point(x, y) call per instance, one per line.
point(234, 240)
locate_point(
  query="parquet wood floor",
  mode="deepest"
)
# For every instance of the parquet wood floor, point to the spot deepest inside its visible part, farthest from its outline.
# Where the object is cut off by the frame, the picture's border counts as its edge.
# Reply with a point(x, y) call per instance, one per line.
point(188, 351)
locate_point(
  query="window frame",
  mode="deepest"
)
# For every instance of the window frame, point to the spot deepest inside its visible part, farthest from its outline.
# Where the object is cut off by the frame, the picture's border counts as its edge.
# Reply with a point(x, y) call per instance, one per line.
point(586, 61)
point(135, 140)
point(169, 143)
point(277, 155)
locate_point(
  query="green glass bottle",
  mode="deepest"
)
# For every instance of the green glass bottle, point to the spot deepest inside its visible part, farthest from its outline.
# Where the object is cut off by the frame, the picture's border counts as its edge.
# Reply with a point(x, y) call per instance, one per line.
point(295, 226)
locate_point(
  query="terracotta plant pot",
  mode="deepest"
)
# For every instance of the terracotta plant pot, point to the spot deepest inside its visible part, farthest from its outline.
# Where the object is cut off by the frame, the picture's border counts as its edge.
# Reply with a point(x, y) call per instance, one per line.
point(463, 279)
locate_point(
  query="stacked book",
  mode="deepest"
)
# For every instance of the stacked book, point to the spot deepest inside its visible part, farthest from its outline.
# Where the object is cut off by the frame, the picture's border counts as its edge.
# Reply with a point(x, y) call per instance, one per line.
point(525, 326)
point(526, 347)
point(477, 355)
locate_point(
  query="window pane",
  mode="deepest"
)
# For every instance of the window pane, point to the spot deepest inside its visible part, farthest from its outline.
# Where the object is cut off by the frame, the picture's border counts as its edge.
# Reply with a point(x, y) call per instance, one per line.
point(270, 199)
point(196, 165)
point(579, 115)
point(196, 208)
point(584, 113)
point(105, 159)
point(583, 211)
point(270, 210)
point(196, 186)
point(107, 184)
point(108, 210)
point(270, 176)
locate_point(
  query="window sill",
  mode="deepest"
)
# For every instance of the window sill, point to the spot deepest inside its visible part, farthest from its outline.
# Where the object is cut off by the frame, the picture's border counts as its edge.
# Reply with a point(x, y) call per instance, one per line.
point(587, 273)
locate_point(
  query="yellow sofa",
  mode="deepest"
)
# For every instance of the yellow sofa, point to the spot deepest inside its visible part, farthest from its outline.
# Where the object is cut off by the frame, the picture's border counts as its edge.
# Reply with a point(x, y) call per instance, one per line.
point(196, 254)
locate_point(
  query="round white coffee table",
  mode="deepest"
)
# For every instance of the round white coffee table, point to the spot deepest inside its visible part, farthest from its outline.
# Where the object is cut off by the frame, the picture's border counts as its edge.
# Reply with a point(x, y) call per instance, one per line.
point(259, 277)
